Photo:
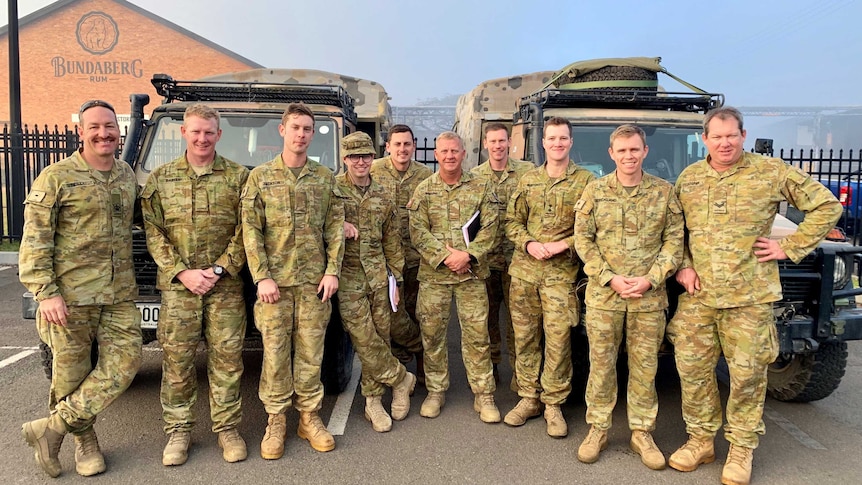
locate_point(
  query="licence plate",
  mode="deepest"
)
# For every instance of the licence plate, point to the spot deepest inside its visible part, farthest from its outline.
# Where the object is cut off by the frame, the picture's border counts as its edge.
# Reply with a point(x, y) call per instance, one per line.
point(149, 315)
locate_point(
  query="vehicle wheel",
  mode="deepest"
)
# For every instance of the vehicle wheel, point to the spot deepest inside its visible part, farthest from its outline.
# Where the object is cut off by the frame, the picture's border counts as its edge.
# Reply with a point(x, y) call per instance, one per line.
point(580, 363)
point(337, 366)
point(808, 377)
point(48, 357)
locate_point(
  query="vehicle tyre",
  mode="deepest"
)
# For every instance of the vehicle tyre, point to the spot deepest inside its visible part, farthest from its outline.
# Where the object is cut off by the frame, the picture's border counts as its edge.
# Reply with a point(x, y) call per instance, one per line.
point(580, 363)
point(337, 366)
point(808, 377)
point(48, 357)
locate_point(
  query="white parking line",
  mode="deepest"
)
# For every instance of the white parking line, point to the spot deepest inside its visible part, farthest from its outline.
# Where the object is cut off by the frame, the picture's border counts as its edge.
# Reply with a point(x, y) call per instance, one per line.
point(341, 411)
point(791, 429)
point(16, 358)
point(12, 347)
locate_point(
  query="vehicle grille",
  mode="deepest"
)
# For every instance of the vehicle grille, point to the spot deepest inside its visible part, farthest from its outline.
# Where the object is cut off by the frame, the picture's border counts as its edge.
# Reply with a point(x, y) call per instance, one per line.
point(795, 286)
point(145, 267)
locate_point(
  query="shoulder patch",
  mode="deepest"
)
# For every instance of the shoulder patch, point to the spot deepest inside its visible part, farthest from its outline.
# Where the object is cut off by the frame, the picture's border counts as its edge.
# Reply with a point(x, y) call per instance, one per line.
point(583, 206)
point(36, 196)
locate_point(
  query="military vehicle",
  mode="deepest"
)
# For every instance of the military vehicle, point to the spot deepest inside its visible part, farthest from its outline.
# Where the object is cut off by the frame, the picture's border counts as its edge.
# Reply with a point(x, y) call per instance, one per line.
point(251, 104)
point(817, 315)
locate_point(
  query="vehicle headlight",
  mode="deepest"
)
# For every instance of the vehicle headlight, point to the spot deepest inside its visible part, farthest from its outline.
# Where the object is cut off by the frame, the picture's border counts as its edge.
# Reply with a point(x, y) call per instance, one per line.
point(841, 273)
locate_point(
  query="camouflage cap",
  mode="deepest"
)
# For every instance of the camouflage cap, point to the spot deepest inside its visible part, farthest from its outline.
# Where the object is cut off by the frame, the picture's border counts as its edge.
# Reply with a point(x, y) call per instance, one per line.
point(357, 143)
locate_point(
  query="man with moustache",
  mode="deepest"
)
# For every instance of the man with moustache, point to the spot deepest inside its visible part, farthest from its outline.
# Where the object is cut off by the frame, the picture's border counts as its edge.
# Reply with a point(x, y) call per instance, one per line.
point(451, 268)
point(629, 234)
point(293, 230)
point(540, 222)
point(400, 174)
point(194, 233)
point(730, 275)
point(76, 259)
point(503, 172)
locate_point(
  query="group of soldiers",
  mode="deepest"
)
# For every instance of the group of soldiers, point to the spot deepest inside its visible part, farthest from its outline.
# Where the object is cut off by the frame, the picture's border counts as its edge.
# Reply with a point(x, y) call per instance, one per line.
point(398, 243)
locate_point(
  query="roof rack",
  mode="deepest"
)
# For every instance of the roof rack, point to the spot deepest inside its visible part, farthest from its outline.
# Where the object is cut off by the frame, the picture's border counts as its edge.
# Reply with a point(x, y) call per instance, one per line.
point(632, 99)
point(255, 92)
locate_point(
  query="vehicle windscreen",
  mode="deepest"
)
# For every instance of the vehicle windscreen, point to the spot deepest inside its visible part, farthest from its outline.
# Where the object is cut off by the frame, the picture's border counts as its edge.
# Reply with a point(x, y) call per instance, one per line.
point(247, 140)
point(670, 149)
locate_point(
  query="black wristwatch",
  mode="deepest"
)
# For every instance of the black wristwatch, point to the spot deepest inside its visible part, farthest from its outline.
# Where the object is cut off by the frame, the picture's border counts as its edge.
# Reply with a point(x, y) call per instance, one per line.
point(218, 270)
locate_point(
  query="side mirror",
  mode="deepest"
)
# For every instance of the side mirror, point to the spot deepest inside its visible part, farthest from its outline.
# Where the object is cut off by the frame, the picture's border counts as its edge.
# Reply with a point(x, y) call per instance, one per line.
point(763, 146)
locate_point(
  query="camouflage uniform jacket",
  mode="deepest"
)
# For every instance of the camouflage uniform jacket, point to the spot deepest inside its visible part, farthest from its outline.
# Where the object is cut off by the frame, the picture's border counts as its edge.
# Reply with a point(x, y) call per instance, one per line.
point(292, 245)
point(500, 257)
point(726, 211)
point(77, 239)
point(437, 214)
point(385, 173)
point(193, 221)
point(543, 210)
point(628, 234)
point(363, 268)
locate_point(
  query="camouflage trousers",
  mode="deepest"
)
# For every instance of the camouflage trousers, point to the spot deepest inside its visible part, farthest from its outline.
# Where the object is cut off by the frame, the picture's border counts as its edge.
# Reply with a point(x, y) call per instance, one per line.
point(644, 334)
point(220, 317)
point(366, 318)
point(497, 285)
point(433, 306)
point(79, 391)
point(405, 334)
point(292, 330)
point(543, 312)
point(747, 336)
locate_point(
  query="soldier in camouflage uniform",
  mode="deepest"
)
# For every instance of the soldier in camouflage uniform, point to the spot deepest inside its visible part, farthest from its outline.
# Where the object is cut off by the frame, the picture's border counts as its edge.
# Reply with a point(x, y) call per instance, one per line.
point(293, 230)
point(629, 234)
point(76, 258)
point(400, 175)
point(540, 222)
point(192, 217)
point(730, 275)
point(440, 207)
point(503, 172)
point(372, 244)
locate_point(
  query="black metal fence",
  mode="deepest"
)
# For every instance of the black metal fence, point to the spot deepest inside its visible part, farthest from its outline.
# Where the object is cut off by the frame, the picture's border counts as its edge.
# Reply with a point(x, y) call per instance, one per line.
point(840, 171)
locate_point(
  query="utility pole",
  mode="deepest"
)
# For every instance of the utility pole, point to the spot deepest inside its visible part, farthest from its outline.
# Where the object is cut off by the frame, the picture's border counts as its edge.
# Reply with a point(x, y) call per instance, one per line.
point(15, 211)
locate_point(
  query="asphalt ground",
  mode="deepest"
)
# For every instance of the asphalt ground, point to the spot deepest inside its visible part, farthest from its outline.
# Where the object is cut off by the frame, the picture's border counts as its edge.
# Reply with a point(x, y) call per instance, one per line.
point(815, 443)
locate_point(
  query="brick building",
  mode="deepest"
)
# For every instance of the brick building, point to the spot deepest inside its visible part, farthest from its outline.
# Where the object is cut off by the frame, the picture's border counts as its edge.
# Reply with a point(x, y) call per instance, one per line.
point(74, 50)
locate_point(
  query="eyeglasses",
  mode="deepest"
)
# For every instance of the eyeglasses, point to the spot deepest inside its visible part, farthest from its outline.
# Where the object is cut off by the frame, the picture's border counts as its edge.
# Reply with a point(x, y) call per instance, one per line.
point(365, 157)
point(93, 103)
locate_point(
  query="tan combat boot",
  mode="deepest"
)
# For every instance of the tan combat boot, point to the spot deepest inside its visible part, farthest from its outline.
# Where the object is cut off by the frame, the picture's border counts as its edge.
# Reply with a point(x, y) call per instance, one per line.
point(311, 428)
point(557, 427)
point(486, 407)
point(526, 408)
point(89, 460)
point(232, 446)
point(272, 445)
point(432, 405)
point(737, 468)
point(695, 452)
point(177, 450)
point(643, 444)
point(401, 393)
point(45, 436)
point(595, 442)
point(374, 412)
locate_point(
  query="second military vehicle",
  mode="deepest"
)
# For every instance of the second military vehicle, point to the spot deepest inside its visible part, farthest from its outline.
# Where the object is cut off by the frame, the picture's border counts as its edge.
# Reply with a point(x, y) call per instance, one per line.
point(817, 315)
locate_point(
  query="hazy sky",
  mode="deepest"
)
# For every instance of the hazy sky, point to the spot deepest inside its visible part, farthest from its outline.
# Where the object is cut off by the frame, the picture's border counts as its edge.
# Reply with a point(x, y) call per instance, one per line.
point(768, 52)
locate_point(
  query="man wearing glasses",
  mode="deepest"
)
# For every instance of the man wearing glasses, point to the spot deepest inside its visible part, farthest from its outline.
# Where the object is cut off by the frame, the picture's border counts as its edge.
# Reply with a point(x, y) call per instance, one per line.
point(76, 258)
point(441, 207)
point(372, 244)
